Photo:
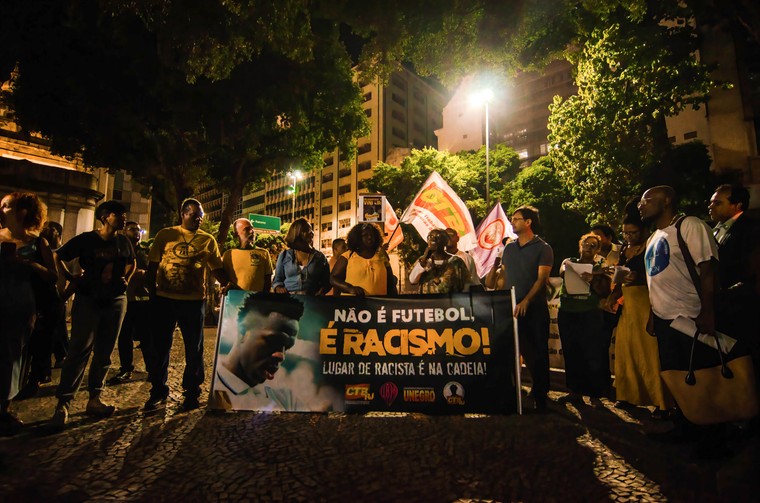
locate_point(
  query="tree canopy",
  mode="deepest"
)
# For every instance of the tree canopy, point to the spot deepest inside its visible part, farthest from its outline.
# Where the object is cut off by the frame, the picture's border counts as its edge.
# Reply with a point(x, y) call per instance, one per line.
point(132, 91)
point(611, 136)
point(465, 172)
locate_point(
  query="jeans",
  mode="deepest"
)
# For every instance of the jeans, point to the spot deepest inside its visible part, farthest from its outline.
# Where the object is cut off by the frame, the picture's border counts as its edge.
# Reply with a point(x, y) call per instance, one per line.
point(189, 315)
point(94, 328)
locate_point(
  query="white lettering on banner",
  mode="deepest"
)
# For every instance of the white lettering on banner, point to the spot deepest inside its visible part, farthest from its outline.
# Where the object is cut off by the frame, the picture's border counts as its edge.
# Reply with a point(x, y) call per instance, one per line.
point(466, 368)
point(338, 368)
point(394, 369)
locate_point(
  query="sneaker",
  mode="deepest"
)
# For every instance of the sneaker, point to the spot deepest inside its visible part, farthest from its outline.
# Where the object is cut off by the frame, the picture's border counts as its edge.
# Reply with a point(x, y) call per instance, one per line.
point(96, 407)
point(120, 378)
point(60, 417)
point(155, 403)
point(10, 425)
point(190, 403)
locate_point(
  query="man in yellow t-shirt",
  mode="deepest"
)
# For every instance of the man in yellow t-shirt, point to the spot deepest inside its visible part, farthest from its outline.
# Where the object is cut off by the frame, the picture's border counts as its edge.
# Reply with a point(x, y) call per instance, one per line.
point(249, 268)
point(176, 283)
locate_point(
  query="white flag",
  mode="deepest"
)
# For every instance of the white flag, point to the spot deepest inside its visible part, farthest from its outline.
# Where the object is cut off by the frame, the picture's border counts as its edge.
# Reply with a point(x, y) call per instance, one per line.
point(437, 206)
point(491, 231)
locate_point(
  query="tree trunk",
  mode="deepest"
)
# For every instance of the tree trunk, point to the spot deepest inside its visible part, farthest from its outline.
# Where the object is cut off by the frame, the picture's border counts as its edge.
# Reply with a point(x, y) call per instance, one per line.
point(236, 194)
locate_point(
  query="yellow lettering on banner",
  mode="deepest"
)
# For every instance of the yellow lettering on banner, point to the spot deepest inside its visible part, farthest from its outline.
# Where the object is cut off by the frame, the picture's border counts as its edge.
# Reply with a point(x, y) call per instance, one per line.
point(372, 344)
point(439, 340)
point(459, 341)
point(352, 342)
point(418, 344)
point(327, 338)
point(403, 342)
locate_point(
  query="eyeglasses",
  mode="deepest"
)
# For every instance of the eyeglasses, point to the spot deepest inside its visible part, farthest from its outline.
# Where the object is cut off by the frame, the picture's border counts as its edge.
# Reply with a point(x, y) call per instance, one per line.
point(515, 219)
point(134, 229)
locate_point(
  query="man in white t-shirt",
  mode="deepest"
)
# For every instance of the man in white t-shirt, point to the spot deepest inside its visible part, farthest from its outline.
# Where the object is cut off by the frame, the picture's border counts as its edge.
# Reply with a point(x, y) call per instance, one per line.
point(672, 292)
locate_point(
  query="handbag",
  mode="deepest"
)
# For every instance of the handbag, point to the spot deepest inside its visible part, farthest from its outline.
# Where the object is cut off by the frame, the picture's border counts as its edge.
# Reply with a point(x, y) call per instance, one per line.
point(718, 394)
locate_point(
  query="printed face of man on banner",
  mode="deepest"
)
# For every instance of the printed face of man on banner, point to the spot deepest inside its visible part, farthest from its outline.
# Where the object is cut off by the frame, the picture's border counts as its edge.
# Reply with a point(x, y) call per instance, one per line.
point(267, 329)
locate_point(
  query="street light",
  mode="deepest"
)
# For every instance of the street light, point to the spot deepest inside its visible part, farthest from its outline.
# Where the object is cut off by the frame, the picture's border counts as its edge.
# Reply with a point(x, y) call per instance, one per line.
point(484, 97)
point(294, 176)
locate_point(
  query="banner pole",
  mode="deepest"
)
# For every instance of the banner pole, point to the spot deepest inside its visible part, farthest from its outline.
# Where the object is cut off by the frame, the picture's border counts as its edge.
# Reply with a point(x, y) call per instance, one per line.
point(216, 356)
point(516, 331)
point(394, 232)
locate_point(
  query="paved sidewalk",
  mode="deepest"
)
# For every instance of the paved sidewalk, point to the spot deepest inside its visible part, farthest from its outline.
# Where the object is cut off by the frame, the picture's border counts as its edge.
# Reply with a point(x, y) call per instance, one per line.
point(573, 453)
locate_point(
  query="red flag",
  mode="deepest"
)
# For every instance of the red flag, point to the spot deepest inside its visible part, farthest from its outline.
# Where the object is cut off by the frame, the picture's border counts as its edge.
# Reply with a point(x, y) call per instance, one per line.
point(437, 206)
point(491, 231)
point(395, 236)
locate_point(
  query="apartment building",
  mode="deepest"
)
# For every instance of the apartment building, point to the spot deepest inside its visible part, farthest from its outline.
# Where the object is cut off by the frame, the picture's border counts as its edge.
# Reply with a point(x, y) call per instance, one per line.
point(518, 112)
point(404, 113)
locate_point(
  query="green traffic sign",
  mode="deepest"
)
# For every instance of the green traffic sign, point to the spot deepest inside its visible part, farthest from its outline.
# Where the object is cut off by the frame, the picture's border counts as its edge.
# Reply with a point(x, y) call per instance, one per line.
point(265, 224)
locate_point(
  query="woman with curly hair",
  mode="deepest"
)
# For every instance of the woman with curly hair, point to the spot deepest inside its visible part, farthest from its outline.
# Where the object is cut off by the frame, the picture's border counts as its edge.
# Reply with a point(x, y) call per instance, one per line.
point(27, 266)
point(301, 269)
point(364, 269)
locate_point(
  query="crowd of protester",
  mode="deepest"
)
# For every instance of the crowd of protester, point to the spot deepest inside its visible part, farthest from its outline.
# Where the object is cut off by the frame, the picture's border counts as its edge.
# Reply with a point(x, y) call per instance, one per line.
point(122, 293)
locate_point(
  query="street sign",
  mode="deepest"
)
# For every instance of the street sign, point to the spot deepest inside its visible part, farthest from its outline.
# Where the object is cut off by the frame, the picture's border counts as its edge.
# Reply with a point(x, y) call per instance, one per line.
point(265, 224)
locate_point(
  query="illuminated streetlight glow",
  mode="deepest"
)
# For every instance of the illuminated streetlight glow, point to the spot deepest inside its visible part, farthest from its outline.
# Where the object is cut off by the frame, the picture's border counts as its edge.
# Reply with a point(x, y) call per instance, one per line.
point(484, 97)
point(294, 176)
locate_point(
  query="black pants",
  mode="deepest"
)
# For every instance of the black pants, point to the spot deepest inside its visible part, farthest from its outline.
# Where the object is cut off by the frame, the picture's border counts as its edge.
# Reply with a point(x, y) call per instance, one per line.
point(534, 346)
point(132, 328)
point(165, 315)
point(585, 349)
point(40, 346)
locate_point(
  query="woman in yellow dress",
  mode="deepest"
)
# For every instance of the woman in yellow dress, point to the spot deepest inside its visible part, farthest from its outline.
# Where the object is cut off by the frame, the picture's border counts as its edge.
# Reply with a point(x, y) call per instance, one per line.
point(637, 360)
point(364, 269)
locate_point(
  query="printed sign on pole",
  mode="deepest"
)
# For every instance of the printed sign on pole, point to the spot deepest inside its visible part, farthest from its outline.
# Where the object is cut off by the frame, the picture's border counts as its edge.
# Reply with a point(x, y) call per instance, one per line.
point(372, 208)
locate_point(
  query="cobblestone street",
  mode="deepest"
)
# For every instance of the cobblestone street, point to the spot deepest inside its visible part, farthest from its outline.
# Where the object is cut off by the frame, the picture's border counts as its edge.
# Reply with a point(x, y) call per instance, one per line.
point(573, 453)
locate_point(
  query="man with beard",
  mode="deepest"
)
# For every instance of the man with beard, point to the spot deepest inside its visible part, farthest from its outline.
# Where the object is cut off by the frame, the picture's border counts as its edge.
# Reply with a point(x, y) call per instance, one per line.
point(267, 327)
point(176, 283)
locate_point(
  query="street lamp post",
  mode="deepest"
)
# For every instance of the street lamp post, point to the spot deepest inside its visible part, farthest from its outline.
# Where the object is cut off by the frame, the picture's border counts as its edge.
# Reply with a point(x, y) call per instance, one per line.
point(485, 96)
point(294, 176)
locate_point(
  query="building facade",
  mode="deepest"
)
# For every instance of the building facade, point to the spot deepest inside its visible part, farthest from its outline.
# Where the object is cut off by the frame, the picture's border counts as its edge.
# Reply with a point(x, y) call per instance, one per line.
point(70, 189)
point(404, 113)
point(518, 112)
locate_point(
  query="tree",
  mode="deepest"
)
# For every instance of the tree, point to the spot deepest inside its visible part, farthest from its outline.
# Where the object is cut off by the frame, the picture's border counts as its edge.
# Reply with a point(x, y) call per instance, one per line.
point(609, 137)
point(539, 185)
point(183, 94)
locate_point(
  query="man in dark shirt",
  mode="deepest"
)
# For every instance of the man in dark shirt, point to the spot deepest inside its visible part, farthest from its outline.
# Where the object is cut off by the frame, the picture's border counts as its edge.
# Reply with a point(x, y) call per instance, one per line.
point(738, 238)
point(527, 264)
point(137, 308)
point(108, 260)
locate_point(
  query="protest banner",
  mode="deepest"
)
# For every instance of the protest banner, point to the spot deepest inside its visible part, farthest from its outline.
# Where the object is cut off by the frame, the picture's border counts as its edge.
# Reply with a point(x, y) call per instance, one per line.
point(432, 354)
point(437, 206)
